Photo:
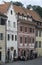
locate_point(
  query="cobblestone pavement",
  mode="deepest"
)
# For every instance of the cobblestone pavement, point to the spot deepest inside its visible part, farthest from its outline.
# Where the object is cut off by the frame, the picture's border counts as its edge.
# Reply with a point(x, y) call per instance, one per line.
point(37, 61)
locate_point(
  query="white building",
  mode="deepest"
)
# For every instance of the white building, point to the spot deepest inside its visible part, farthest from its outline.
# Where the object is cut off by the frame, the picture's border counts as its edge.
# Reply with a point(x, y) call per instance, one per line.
point(11, 28)
point(12, 38)
point(12, 31)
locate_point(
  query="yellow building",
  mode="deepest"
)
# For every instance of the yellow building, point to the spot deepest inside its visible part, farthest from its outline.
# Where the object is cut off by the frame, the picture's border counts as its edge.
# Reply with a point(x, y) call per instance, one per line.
point(2, 38)
point(38, 43)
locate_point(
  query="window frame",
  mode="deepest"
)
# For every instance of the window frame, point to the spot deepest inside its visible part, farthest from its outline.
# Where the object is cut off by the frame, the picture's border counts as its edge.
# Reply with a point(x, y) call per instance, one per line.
point(1, 36)
point(15, 37)
point(12, 37)
point(8, 37)
point(11, 12)
point(20, 39)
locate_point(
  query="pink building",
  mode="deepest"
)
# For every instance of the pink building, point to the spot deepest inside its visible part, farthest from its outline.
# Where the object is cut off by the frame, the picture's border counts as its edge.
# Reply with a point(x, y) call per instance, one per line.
point(26, 34)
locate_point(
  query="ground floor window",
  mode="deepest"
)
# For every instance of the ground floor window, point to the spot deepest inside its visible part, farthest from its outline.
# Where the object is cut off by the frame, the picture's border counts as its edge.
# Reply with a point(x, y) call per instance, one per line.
point(0, 56)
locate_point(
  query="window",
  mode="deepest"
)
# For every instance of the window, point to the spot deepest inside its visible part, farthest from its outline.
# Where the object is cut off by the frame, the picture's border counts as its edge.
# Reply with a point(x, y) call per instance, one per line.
point(2, 22)
point(29, 39)
point(11, 12)
point(33, 30)
point(1, 36)
point(15, 37)
point(40, 23)
point(20, 39)
point(30, 29)
point(36, 32)
point(8, 37)
point(0, 55)
point(12, 37)
point(25, 39)
point(8, 23)
point(14, 24)
point(0, 47)
point(36, 44)
point(39, 44)
point(32, 40)
point(20, 28)
point(37, 23)
point(40, 33)
point(25, 29)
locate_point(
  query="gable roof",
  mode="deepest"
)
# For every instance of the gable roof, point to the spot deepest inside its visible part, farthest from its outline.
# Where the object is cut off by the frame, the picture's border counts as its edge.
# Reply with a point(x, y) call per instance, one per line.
point(4, 7)
point(18, 9)
point(25, 11)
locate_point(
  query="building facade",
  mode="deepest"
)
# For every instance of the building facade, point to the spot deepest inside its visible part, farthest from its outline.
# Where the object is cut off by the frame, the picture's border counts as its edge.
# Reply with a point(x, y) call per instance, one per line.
point(38, 44)
point(12, 32)
point(26, 35)
point(2, 37)
point(21, 27)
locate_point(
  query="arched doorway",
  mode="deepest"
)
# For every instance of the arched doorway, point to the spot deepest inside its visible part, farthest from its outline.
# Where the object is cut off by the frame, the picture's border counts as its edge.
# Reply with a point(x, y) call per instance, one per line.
point(23, 53)
point(8, 54)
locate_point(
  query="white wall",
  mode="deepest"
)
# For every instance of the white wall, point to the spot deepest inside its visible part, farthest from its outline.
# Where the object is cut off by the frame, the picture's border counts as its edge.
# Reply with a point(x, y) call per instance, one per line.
point(11, 30)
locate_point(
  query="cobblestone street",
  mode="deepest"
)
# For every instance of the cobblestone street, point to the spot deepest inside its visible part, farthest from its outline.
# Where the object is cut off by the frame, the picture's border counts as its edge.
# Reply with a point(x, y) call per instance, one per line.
point(37, 61)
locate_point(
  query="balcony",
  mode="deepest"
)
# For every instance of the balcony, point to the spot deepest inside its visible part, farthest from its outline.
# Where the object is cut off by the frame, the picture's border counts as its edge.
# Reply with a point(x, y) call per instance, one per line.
point(21, 45)
point(24, 18)
point(31, 45)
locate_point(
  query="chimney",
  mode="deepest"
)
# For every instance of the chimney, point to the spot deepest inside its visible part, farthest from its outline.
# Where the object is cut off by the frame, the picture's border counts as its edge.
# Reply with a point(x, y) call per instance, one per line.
point(31, 8)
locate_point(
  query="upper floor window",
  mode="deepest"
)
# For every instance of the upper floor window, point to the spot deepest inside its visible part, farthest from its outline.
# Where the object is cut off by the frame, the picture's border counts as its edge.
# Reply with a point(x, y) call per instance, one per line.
point(40, 23)
point(30, 29)
point(8, 23)
point(40, 33)
point(2, 22)
point(12, 37)
point(37, 23)
point(1, 36)
point(36, 44)
point(25, 29)
point(15, 37)
point(33, 30)
point(20, 28)
point(32, 40)
point(36, 32)
point(11, 12)
point(25, 39)
point(8, 37)
point(39, 44)
point(20, 39)
point(14, 25)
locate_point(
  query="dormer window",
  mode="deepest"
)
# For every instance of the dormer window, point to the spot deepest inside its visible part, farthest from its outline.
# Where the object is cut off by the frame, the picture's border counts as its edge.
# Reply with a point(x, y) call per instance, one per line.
point(11, 12)
point(40, 23)
point(22, 14)
point(27, 16)
point(9, 23)
point(18, 13)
